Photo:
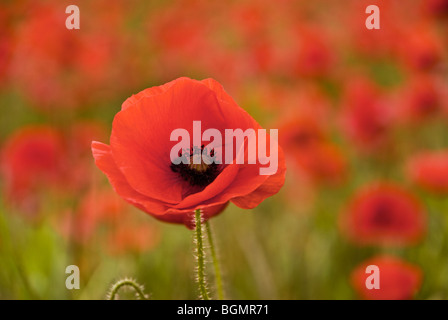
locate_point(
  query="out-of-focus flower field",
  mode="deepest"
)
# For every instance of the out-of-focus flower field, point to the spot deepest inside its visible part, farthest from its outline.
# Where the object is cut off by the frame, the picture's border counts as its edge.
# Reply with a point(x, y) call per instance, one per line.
point(362, 118)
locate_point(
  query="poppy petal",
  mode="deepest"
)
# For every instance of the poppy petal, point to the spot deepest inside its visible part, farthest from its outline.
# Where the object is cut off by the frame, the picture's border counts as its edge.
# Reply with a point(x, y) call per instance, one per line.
point(104, 161)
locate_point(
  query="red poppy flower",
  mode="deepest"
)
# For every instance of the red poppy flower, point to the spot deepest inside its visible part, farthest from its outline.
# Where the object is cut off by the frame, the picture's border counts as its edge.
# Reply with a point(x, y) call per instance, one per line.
point(251, 19)
point(6, 42)
point(421, 98)
point(182, 34)
point(32, 157)
point(301, 133)
point(377, 42)
point(383, 214)
point(67, 68)
point(430, 171)
point(398, 279)
point(421, 48)
point(313, 55)
point(308, 146)
point(138, 165)
point(366, 118)
point(436, 7)
point(323, 163)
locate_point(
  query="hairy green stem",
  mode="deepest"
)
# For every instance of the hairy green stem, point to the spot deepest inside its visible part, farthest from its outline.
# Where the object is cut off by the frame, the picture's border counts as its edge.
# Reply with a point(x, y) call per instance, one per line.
point(216, 266)
point(126, 282)
point(200, 256)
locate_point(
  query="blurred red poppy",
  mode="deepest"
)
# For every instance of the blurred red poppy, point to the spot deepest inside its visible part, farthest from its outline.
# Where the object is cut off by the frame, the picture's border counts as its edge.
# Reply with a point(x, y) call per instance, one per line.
point(306, 142)
point(378, 42)
point(398, 279)
point(138, 163)
point(429, 170)
point(32, 158)
point(437, 8)
point(312, 54)
point(366, 117)
point(420, 48)
point(301, 133)
point(78, 140)
point(324, 163)
point(421, 98)
point(383, 214)
point(63, 69)
point(6, 42)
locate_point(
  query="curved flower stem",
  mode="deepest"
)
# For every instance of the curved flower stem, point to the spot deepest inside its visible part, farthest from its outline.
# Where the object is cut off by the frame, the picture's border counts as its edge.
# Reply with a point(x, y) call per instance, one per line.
point(200, 256)
point(126, 282)
point(218, 277)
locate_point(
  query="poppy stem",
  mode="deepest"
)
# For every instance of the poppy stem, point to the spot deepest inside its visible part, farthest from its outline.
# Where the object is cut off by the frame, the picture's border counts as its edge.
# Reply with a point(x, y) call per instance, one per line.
point(216, 266)
point(200, 257)
point(126, 283)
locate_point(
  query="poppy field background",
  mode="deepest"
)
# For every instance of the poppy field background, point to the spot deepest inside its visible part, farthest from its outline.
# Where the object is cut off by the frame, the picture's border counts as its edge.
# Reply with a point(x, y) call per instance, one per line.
point(362, 118)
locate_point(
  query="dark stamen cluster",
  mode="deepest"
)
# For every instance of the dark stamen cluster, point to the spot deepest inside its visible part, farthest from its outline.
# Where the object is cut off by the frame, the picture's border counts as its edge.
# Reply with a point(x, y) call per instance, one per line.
point(199, 175)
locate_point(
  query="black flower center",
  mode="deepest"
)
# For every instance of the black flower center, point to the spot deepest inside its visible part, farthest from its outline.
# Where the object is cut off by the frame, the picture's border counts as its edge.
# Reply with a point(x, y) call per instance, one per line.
point(197, 174)
point(382, 216)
